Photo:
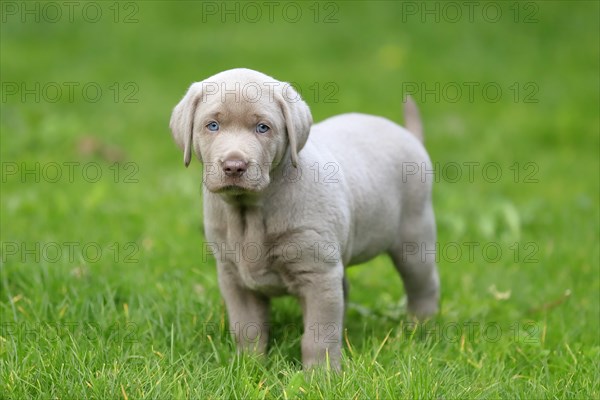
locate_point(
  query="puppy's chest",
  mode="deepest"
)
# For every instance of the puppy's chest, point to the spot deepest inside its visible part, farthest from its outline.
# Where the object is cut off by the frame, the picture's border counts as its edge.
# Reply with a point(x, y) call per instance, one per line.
point(247, 245)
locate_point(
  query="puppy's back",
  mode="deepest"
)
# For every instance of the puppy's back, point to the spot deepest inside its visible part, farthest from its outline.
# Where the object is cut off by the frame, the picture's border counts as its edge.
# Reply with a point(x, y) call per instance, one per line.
point(385, 168)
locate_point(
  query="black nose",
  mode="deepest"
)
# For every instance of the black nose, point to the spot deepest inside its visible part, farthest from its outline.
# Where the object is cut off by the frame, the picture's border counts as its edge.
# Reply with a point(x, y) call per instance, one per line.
point(234, 168)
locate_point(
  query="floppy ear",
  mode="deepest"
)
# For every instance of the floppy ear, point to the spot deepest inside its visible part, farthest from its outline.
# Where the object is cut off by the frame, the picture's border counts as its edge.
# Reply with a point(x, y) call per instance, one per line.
point(298, 120)
point(182, 120)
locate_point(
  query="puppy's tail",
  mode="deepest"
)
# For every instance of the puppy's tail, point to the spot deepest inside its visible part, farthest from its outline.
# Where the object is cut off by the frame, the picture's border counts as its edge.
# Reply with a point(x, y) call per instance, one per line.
point(412, 118)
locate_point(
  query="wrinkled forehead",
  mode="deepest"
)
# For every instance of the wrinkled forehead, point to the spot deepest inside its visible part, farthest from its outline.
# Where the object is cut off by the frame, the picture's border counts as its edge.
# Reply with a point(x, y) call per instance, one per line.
point(242, 89)
point(240, 99)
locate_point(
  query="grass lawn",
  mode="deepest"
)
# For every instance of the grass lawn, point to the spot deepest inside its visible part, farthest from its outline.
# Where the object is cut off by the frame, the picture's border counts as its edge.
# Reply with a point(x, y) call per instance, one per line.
point(105, 290)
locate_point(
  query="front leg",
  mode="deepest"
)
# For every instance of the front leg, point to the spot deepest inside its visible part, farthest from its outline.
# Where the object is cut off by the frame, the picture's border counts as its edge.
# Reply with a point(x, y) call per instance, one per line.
point(322, 300)
point(248, 313)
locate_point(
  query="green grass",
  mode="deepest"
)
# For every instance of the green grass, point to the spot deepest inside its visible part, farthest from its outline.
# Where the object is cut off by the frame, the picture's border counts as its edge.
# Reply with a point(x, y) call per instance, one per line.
point(144, 319)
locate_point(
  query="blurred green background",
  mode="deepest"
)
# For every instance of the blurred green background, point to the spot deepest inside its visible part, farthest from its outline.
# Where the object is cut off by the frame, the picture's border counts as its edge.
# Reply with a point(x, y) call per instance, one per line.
point(527, 75)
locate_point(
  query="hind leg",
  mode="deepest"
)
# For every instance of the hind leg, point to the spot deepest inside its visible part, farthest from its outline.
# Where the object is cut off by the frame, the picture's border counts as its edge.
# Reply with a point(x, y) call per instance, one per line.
point(414, 256)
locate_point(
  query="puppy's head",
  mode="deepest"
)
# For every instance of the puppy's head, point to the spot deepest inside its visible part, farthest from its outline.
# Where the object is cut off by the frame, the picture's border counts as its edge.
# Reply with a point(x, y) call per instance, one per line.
point(241, 124)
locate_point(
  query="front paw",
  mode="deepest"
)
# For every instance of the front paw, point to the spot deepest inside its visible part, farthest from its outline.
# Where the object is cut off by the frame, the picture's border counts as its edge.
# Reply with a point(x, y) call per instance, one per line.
point(318, 355)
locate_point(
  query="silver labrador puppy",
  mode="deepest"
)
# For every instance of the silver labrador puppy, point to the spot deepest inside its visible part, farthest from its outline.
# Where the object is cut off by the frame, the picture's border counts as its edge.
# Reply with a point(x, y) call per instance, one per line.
point(285, 212)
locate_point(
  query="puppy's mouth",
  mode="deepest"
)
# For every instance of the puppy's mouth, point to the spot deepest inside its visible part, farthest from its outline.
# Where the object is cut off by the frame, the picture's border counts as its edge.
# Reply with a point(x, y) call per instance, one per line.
point(236, 186)
point(235, 190)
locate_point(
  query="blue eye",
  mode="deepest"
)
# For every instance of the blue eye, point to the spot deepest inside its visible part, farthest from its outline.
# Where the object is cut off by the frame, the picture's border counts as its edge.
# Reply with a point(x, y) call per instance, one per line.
point(213, 126)
point(262, 128)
